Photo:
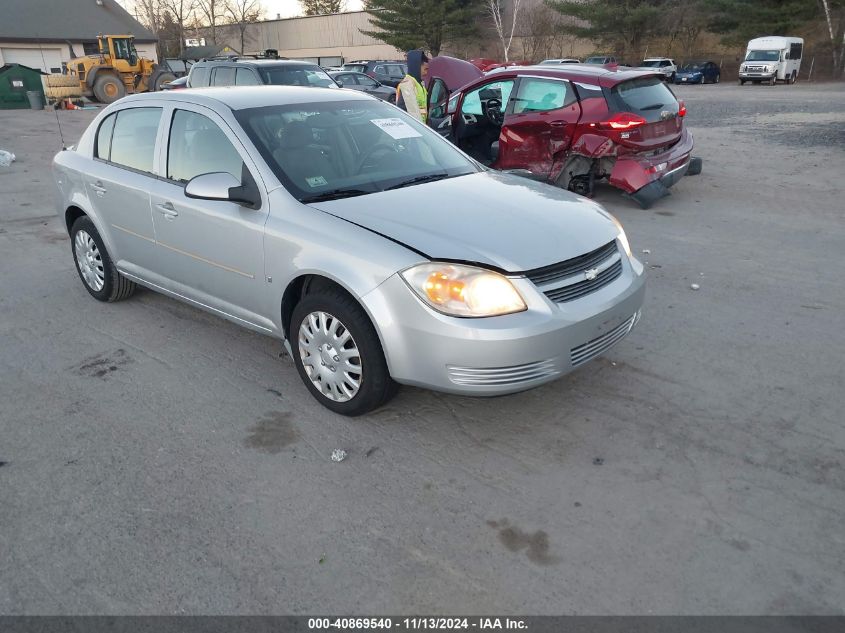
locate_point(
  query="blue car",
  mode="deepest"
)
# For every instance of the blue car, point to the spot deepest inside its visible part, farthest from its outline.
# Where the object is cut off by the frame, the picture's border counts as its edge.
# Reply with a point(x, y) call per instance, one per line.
point(698, 73)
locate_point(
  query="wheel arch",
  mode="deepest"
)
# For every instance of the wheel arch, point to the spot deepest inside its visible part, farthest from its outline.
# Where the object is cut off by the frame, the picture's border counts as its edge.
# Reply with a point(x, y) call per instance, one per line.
point(309, 282)
point(72, 214)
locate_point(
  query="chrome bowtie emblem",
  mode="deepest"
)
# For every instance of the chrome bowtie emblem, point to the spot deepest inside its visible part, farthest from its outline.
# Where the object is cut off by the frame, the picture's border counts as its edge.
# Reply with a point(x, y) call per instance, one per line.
point(591, 274)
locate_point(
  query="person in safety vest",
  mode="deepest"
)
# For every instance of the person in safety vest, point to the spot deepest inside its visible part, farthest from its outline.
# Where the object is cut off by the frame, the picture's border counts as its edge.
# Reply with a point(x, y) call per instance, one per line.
point(411, 94)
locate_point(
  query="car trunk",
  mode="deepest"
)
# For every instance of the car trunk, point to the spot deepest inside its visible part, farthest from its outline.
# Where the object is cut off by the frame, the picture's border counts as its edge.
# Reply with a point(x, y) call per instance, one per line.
point(646, 114)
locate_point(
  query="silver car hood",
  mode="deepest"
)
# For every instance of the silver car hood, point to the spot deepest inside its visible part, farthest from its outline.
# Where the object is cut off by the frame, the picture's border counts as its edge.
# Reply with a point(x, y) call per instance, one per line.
point(498, 220)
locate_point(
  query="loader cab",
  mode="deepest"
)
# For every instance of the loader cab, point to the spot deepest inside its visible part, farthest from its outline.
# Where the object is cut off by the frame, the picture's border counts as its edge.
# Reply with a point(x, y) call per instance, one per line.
point(119, 47)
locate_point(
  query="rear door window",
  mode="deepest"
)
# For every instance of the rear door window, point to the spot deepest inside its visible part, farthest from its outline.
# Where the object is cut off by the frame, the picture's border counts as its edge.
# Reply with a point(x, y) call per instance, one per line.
point(199, 77)
point(134, 138)
point(646, 96)
point(541, 95)
point(223, 76)
point(348, 79)
point(396, 71)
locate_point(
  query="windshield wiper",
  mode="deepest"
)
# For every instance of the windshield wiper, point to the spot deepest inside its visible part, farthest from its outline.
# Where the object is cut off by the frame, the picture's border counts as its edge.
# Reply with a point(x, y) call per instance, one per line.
point(334, 194)
point(419, 179)
point(653, 106)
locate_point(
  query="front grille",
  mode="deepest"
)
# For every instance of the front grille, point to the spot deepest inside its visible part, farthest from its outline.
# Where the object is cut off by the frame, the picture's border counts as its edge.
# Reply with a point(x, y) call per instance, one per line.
point(573, 266)
point(581, 354)
point(502, 376)
point(578, 290)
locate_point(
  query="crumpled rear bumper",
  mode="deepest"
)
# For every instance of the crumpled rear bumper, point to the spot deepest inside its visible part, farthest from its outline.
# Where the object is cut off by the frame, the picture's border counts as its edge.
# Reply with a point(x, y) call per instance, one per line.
point(632, 172)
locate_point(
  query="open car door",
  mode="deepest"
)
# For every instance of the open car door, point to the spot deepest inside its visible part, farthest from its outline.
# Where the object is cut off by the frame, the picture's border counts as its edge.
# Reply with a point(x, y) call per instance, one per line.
point(445, 76)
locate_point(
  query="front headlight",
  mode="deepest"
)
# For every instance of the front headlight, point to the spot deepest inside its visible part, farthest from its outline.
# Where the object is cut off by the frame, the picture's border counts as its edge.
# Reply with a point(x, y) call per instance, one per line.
point(464, 291)
point(623, 239)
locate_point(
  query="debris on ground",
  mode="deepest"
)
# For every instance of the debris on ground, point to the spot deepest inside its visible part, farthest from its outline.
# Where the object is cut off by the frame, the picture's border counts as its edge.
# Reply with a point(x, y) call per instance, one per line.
point(338, 455)
point(322, 559)
point(646, 251)
point(695, 286)
point(598, 461)
point(6, 158)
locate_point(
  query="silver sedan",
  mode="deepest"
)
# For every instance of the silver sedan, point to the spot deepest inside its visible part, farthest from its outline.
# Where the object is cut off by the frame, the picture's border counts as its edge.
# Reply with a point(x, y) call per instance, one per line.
point(377, 251)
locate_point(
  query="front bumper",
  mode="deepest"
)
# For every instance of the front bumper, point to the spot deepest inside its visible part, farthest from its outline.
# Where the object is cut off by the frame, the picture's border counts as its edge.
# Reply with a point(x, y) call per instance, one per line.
point(688, 79)
point(757, 76)
point(507, 354)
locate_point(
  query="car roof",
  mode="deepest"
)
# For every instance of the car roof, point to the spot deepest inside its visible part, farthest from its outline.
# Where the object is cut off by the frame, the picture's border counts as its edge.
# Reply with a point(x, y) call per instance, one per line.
point(573, 72)
point(258, 62)
point(656, 59)
point(242, 97)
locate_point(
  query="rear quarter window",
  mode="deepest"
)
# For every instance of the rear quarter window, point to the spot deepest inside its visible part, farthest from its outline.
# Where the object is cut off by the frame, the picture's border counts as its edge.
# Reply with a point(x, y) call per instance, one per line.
point(646, 96)
point(198, 77)
point(223, 76)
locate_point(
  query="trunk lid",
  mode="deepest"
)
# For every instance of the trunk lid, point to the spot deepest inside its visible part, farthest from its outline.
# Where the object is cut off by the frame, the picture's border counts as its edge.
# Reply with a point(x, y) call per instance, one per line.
point(651, 99)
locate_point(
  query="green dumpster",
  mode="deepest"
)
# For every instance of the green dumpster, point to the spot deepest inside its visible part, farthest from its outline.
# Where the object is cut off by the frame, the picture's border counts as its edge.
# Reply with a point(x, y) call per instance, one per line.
point(15, 81)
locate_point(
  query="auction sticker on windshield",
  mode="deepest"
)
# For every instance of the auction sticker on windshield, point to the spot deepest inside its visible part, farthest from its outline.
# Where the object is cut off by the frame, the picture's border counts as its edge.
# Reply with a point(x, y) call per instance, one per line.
point(396, 128)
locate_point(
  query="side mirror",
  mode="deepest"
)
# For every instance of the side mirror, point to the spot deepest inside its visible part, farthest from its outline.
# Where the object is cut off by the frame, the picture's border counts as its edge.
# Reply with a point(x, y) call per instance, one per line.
point(220, 185)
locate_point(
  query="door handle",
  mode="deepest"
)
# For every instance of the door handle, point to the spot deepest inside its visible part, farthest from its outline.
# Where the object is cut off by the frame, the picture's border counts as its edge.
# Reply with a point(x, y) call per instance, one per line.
point(558, 123)
point(98, 187)
point(168, 210)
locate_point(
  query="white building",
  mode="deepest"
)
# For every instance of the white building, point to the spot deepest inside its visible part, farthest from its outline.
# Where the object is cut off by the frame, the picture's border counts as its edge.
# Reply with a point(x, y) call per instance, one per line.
point(40, 33)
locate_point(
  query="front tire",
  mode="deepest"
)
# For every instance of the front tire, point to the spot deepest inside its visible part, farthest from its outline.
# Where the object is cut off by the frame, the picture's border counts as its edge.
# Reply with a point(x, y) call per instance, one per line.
point(94, 264)
point(338, 354)
point(162, 79)
point(108, 88)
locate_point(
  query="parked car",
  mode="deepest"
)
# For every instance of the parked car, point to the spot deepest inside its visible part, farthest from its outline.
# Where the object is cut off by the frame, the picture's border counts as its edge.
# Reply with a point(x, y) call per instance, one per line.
point(177, 84)
point(602, 60)
point(570, 125)
point(257, 72)
point(664, 65)
point(376, 250)
point(386, 72)
point(364, 83)
point(700, 72)
point(565, 60)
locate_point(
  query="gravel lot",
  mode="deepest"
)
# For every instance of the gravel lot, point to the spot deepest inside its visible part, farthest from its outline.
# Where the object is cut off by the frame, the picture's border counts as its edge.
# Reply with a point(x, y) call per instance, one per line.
point(161, 460)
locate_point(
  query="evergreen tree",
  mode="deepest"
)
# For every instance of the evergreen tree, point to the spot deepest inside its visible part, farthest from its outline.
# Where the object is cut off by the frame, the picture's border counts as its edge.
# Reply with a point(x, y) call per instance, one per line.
point(322, 7)
point(426, 24)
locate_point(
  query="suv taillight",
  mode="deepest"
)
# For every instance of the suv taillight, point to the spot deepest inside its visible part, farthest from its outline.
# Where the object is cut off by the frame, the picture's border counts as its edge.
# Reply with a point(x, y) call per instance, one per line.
point(622, 121)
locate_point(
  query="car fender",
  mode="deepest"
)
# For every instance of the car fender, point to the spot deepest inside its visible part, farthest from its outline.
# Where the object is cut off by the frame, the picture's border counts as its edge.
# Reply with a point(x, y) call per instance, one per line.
point(593, 146)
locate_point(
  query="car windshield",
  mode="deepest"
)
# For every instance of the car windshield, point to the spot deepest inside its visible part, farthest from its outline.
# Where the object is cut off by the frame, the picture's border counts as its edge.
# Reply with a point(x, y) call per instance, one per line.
point(297, 76)
point(762, 56)
point(356, 67)
point(595, 60)
point(692, 66)
point(651, 63)
point(646, 96)
point(328, 150)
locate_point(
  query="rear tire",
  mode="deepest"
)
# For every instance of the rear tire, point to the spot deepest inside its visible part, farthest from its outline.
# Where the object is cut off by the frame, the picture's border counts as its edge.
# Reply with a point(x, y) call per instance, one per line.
point(162, 79)
point(694, 168)
point(338, 354)
point(108, 88)
point(94, 264)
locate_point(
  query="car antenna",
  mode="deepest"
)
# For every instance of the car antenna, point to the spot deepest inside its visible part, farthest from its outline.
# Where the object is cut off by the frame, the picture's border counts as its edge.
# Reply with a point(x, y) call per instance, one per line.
point(56, 112)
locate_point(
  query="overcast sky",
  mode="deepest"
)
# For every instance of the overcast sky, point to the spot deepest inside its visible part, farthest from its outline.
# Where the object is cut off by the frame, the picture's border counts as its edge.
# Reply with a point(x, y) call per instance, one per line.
point(289, 8)
point(285, 8)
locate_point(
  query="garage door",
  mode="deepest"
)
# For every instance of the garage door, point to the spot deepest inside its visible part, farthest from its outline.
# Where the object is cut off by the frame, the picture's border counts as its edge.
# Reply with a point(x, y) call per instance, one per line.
point(51, 62)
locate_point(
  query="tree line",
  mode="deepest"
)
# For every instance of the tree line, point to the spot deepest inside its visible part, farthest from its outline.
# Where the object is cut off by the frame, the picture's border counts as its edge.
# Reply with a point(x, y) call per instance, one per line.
point(624, 27)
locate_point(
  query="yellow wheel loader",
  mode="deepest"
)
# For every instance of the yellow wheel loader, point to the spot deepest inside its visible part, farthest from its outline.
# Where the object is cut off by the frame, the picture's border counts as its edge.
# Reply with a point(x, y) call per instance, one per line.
point(117, 70)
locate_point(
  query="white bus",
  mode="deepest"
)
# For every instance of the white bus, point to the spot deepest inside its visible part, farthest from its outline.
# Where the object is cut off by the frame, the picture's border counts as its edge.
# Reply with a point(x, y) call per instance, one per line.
point(772, 59)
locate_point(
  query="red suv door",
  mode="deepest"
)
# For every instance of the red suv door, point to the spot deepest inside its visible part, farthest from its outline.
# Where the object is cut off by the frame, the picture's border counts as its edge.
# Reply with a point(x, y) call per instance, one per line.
point(539, 124)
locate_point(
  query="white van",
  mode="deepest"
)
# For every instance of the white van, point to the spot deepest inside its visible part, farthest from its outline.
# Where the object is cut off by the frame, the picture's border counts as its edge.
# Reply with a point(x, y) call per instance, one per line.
point(772, 59)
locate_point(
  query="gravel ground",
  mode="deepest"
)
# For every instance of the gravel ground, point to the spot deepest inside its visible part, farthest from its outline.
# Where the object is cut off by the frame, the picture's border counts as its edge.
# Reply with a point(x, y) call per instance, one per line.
point(160, 460)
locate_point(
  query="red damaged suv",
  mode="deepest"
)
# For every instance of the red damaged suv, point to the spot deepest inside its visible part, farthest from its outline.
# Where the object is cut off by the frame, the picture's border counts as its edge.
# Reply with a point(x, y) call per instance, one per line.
point(570, 125)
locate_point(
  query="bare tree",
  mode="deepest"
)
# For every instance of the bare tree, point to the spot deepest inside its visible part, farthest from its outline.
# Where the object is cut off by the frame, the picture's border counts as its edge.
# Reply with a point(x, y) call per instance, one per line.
point(181, 12)
point(212, 11)
point(242, 13)
point(503, 30)
point(540, 34)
